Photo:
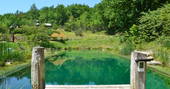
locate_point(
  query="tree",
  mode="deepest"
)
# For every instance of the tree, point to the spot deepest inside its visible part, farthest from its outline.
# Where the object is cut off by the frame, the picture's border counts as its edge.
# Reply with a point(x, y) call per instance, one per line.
point(3, 31)
point(33, 13)
point(76, 10)
point(44, 14)
point(60, 15)
point(155, 24)
point(120, 15)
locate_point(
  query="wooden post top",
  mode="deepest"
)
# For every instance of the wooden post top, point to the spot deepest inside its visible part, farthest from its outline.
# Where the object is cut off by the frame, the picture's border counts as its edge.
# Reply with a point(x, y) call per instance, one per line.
point(38, 47)
point(143, 56)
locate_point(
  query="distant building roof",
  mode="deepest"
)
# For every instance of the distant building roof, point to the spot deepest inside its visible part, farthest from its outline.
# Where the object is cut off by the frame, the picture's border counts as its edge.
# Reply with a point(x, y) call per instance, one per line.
point(48, 24)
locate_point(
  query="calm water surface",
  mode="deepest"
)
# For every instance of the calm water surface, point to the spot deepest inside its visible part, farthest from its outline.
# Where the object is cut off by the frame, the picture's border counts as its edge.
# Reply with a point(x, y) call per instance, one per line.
point(84, 68)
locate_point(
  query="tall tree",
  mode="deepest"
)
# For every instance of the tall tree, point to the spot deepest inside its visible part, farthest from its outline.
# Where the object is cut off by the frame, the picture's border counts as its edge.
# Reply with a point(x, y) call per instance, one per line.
point(120, 15)
point(61, 15)
point(76, 10)
point(33, 12)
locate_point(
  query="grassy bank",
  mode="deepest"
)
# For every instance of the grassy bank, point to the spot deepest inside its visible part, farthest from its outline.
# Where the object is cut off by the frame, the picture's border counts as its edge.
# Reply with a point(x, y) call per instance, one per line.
point(102, 42)
point(16, 66)
point(113, 44)
point(161, 70)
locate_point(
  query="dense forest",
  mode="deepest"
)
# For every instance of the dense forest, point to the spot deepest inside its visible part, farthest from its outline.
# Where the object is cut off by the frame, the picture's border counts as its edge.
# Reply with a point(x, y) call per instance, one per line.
point(113, 16)
point(135, 21)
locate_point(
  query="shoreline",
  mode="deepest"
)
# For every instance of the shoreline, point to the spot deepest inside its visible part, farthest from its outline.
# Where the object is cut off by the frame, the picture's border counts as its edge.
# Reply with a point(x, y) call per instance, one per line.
point(14, 68)
point(8, 70)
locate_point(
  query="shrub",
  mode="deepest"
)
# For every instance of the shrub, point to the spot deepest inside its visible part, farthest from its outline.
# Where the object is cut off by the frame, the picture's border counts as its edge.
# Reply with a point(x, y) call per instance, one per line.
point(3, 51)
point(155, 24)
point(133, 35)
point(16, 56)
point(2, 63)
point(10, 52)
point(79, 33)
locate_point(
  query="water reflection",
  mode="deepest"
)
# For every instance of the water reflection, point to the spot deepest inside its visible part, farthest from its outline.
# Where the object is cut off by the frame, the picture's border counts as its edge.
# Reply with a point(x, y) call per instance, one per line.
point(19, 80)
point(88, 72)
point(92, 68)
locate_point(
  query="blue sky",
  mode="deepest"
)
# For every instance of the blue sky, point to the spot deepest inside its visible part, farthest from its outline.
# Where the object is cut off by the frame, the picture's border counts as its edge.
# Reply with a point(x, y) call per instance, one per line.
point(11, 6)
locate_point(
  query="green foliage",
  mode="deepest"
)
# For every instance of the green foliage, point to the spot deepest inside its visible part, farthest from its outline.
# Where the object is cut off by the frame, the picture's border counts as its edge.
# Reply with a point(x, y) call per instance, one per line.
point(10, 52)
point(27, 30)
point(127, 48)
point(40, 37)
point(111, 16)
point(79, 33)
point(163, 55)
point(60, 15)
point(155, 24)
point(71, 25)
point(2, 63)
point(33, 13)
point(76, 10)
point(3, 29)
point(119, 15)
point(133, 35)
point(164, 41)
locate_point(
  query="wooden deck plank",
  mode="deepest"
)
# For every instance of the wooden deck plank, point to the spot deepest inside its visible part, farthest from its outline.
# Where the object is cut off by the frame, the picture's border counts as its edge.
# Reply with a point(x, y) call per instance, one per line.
point(87, 86)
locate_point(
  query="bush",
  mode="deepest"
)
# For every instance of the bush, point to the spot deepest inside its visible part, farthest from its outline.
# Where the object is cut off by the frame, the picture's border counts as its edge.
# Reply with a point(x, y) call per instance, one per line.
point(2, 63)
point(3, 29)
point(133, 35)
point(15, 56)
point(155, 24)
point(3, 51)
point(10, 52)
point(79, 33)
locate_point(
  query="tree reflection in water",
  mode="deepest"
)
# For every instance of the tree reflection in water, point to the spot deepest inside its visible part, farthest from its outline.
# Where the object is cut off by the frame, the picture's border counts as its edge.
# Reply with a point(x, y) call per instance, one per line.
point(84, 68)
point(88, 72)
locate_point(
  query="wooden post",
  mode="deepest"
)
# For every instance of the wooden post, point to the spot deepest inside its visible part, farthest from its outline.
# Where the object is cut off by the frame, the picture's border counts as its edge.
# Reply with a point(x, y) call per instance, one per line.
point(37, 68)
point(138, 69)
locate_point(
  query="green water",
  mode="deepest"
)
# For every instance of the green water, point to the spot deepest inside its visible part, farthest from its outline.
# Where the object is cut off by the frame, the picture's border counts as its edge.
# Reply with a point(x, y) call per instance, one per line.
point(85, 68)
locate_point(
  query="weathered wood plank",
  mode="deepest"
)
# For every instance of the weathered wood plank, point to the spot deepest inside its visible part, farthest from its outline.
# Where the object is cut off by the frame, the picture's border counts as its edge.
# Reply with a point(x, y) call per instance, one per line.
point(37, 68)
point(87, 87)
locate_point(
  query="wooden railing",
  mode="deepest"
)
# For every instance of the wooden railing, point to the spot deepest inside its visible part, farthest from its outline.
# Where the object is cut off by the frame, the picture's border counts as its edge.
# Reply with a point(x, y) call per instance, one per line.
point(138, 73)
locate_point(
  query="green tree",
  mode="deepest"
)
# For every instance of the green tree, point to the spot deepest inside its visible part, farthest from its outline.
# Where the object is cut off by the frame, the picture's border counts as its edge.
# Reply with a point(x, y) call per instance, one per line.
point(76, 10)
point(44, 14)
point(60, 15)
point(33, 13)
point(120, 15)
point(155, 24)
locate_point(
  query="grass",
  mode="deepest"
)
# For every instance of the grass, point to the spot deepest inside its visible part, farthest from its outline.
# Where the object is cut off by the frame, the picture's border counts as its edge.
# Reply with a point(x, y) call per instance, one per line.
point(19, 55)
point(6, 70)
point(89, 40)
point(162, 70)
point(112, 43)
point(114, 46)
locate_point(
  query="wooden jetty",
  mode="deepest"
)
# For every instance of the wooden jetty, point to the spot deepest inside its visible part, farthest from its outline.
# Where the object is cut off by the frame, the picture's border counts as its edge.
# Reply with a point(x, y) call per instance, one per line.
point(137, 77)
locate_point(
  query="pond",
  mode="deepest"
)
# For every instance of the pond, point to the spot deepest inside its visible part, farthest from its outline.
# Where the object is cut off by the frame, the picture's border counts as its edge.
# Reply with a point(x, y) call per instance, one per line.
point(84, 68)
